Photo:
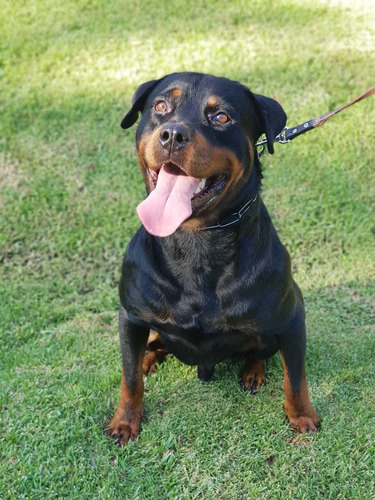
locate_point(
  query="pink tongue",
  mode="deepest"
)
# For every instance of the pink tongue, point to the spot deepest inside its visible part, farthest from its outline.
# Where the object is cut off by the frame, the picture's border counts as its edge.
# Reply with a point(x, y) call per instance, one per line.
point(169, 204)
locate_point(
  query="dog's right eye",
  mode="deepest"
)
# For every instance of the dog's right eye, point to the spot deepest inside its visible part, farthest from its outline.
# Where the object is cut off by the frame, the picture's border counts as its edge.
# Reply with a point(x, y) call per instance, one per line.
point(161, 107)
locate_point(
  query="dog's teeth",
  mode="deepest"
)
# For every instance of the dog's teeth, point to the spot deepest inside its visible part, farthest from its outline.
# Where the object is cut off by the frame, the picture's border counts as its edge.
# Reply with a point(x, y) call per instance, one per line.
point(200, 186)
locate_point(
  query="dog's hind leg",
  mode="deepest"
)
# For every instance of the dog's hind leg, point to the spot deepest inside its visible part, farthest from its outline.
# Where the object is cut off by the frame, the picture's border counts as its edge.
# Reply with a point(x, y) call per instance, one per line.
point(157, 353)
point(253, 375)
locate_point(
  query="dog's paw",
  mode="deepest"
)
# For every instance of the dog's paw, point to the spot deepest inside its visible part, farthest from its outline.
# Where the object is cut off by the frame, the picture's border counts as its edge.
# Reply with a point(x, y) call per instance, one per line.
point(152, 359)
point(253, 377)
point(149, 364)
point(305, 423)
point(122, 429)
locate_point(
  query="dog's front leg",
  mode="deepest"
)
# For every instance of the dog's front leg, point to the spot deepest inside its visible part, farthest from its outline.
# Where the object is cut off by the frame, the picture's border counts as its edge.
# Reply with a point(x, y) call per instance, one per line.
point(126, 421)
point(297, 405)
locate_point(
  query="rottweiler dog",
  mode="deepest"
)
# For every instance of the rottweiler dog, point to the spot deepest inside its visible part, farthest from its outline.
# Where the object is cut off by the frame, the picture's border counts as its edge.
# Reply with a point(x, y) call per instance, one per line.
point(206, 276)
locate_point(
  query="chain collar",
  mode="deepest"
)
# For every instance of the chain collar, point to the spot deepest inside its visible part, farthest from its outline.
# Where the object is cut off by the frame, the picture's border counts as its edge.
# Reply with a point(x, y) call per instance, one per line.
point(233, 218)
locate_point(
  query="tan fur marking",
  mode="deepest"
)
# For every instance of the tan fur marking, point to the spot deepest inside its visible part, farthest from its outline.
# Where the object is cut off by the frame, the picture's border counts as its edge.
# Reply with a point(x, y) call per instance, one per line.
point(153, 337)
point(212, 102)
point(155, 341)
point(176, 93)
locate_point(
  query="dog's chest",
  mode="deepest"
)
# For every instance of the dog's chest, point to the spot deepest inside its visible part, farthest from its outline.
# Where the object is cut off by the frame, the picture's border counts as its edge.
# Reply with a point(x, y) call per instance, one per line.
point(196, 283)
point(198, 296)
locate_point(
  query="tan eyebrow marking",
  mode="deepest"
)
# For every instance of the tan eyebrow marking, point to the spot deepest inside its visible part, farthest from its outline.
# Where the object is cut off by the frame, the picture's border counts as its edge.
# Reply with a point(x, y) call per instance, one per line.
point(212, 102)
point(176, 93)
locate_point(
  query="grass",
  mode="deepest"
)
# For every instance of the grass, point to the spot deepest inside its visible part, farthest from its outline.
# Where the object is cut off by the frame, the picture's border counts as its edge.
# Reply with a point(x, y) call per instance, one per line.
point(69, 187)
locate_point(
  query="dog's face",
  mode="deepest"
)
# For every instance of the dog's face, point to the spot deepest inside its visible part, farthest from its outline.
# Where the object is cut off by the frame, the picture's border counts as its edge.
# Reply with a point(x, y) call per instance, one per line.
point(195, 146)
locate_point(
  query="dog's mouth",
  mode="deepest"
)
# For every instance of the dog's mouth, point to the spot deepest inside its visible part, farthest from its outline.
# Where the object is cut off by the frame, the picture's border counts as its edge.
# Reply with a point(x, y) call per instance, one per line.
point(207, 190)
point(175, 196)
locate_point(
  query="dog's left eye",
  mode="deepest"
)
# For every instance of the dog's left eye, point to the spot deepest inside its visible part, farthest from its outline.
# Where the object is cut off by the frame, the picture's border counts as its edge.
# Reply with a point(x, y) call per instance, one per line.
point(161, 107)
point(220, 118)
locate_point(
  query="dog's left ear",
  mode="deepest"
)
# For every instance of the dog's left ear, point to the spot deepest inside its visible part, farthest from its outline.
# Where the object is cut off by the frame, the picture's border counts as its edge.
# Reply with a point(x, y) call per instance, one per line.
point(138, 102)
point(272, 118)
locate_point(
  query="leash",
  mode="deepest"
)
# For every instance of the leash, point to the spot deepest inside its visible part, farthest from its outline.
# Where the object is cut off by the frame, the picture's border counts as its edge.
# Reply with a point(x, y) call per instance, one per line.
point(288, 134)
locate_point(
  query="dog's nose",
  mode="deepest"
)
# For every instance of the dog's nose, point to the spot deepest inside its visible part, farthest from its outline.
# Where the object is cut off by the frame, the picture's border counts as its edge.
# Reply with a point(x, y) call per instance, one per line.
point(174, 136)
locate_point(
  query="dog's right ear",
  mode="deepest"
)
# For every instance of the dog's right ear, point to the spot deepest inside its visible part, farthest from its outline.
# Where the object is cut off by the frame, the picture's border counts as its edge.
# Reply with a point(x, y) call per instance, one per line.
point(138, 102)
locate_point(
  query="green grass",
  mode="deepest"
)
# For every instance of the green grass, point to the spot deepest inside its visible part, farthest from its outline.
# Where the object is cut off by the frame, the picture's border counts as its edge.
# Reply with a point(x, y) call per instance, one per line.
point(69, 185)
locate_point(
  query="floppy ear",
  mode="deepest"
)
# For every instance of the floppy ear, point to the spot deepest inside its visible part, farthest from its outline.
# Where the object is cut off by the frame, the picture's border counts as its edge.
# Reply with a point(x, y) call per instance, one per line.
point(272, 117)
point(138, 102)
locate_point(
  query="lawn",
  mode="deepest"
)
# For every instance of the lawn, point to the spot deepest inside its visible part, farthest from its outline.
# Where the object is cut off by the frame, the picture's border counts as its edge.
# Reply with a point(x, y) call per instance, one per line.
point(69, 185)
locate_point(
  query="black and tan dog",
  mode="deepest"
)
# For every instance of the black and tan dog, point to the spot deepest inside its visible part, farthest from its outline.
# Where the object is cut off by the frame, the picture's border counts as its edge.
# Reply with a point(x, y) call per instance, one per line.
point(193, 283)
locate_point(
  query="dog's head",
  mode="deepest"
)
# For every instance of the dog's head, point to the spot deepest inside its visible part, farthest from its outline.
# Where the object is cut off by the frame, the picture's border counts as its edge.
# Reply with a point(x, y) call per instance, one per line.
point(195, 146)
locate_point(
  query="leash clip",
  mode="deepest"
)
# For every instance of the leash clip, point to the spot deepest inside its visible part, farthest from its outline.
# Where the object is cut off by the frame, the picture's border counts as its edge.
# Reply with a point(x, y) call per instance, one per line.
point(262, 145)
point(282, 137)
